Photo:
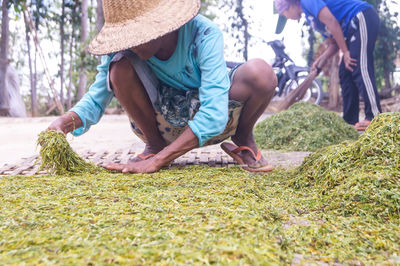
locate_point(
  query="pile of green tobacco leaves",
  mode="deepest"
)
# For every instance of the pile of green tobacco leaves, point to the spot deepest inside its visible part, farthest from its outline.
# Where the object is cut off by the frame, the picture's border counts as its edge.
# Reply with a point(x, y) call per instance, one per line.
point(362, 177)
point(303, 127)
point(59, 158)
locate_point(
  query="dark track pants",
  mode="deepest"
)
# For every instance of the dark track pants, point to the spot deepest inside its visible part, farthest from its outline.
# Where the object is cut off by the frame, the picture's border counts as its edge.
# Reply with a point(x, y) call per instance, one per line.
point(361, 40)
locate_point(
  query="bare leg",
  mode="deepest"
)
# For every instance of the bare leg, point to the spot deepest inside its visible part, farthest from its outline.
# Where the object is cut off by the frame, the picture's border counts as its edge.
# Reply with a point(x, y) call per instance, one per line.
point(254, 84)
point(129, 91)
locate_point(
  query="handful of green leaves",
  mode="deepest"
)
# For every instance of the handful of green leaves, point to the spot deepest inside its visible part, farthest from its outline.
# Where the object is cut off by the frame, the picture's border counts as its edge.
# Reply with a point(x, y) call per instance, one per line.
point(362, 177)
point(303, 127)
point(57, 156)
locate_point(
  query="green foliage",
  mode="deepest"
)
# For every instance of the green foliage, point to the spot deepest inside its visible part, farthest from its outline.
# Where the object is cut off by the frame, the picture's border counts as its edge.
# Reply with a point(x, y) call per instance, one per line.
point(375, 3)
point(388, 43)
point(238, 22)
point(303, 127)
point(47, 16)
point(387, 46)
point(239, 25)
point(206, 10)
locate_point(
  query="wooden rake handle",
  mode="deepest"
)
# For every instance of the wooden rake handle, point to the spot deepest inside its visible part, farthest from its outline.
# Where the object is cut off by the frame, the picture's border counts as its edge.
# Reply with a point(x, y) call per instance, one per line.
point(300, 91)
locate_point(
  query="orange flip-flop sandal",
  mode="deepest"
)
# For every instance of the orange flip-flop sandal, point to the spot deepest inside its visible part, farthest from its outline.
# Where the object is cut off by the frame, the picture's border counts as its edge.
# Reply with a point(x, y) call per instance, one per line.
point(233, 151)
point(362, 125)
point(141, 157)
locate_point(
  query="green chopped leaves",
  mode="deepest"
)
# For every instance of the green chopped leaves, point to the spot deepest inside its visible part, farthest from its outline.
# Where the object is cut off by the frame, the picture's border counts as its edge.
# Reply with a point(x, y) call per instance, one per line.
point(340, 206)
point(361, 177)
point(193, 215)
point(303, 127)
point(57, 156)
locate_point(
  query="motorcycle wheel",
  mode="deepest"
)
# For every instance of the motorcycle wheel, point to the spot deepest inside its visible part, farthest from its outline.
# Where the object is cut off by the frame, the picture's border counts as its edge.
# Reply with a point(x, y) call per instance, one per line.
point(313, 95)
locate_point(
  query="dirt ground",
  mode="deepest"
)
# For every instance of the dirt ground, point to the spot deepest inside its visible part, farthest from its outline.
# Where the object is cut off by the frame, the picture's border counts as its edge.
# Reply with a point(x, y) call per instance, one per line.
point(18, 140)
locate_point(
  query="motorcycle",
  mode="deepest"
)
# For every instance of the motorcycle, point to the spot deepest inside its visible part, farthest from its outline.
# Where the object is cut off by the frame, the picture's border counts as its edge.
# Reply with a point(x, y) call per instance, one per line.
point(289, 75)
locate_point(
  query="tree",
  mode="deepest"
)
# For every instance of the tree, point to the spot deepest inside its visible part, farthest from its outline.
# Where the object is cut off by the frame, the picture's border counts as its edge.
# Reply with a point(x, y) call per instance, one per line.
point(242, 25)
point(311, 42)
point(73, 5)
point(84, 39)
point(100, 15)
point(5, 35)
point(206, 8)
point(387, 46)
point(239, 25)
point(33, 25)
point(62, 51)
point(34, 10)
point(388, 43)
point(32, 73)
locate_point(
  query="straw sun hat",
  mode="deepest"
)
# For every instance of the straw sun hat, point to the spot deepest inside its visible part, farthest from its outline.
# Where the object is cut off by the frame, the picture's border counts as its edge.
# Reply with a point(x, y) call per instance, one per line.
point(129, 23)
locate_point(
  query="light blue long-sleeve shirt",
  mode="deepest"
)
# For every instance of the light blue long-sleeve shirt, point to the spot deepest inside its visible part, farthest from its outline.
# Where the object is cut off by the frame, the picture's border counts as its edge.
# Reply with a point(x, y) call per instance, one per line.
point(197, 63)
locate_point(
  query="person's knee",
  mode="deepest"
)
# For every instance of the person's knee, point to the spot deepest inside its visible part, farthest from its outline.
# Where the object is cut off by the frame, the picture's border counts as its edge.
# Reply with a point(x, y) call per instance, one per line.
point(260, 76)
point(120, 73)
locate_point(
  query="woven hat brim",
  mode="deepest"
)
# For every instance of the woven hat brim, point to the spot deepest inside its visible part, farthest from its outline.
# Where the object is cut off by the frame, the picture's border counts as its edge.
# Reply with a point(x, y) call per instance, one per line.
point(168, 16)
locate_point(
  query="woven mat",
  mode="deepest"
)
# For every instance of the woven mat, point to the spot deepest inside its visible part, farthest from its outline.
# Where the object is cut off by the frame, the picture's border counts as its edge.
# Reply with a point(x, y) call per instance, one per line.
point(211, 156)
point(29, 166)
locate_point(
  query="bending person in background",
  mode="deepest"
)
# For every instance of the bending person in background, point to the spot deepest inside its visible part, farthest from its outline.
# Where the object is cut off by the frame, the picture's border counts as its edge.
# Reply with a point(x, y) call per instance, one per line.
point(351, 26)
point(165, 65)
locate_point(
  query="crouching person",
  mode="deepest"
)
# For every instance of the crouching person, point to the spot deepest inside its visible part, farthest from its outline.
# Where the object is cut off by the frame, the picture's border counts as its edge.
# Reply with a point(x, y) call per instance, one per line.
point(165, 65)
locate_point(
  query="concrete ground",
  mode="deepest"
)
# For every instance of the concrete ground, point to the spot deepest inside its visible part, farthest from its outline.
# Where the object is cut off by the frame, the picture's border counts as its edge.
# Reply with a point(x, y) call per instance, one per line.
point(18, 136)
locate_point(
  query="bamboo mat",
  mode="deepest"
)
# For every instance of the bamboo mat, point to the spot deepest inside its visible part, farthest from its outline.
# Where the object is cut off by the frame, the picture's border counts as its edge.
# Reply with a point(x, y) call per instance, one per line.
point(30, 166)
point(211, 155)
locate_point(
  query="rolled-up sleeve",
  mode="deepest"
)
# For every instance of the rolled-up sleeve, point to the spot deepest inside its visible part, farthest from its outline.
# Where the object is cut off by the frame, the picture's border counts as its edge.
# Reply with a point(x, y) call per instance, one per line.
point(212, 117)
point(93, 104)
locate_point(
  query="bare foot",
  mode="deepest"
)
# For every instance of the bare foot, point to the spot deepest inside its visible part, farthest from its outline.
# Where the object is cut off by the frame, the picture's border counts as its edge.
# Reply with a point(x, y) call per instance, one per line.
point(362, 125)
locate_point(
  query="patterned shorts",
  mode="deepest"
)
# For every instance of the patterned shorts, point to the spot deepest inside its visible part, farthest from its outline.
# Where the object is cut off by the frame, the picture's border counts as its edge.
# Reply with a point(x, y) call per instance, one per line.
point(175, 108)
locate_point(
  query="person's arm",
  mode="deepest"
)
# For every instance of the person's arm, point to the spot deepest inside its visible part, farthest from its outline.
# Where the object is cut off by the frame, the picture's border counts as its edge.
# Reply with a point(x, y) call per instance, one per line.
point(329, 52)
point(212, 117)
point(184, 143)
point(90, 108)
point(326, 17)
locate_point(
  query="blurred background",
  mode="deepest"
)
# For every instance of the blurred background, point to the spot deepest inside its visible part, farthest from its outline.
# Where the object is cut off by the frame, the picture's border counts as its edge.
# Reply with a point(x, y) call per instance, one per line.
point(45, 67)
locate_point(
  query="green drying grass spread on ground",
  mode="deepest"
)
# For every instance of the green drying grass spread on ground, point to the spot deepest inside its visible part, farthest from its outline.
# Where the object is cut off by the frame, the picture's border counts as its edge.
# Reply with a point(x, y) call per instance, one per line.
point(361, 177)
point(342, 208)
point(191, 215)
point(303, 127)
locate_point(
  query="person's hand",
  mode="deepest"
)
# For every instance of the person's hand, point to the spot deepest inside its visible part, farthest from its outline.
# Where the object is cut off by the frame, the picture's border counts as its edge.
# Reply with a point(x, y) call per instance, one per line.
point(150, 165)
point(314, 66)
point(348, 61)
point(66, 123)
point(319, 63)
point(184, 143)
point(58, 125)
